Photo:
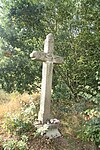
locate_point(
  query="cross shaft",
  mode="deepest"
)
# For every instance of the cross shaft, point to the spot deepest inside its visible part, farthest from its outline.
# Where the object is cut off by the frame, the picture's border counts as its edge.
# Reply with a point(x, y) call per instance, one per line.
point(48, 59)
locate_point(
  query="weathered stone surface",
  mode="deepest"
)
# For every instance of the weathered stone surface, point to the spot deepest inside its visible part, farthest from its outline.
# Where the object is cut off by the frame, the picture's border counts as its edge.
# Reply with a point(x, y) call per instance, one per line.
point(48, 59)
point(53, 133)
point(47, 71)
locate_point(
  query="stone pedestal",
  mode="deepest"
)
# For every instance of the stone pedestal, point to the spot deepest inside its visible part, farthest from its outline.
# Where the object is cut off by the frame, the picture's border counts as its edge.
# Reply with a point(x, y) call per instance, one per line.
point(49, 129)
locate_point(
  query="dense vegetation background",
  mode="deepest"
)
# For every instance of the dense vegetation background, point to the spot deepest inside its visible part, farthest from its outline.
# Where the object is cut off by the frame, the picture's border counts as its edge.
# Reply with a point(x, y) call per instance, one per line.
point(75, 25)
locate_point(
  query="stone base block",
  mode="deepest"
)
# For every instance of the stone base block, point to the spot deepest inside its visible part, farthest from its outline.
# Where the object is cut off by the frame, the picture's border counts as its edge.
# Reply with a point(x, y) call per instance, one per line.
point(49, 129)
point(52, 133)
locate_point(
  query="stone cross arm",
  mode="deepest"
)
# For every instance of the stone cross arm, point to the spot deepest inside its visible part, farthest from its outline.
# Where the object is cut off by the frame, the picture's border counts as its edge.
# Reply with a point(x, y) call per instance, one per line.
point(46, 57)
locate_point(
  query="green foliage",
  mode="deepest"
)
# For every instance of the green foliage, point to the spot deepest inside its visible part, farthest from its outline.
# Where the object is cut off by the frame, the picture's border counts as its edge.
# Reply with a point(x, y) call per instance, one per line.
point(75, 25)
point(21, 145)
point(16, 144)
point(91, 124)
point(18, 125)
point(90, 130)
point(9, 145)
point(41, 130)
point(92, 93)
point(17, 70)
point(14, 70)
point(21, 122)
point(23, 27)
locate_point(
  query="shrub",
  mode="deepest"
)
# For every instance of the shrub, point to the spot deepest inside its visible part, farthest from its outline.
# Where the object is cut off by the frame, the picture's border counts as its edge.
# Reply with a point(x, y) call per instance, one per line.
point(19, 123)
point(16, 144)
point(9, 145)
point(90, 130)
point(91, 117)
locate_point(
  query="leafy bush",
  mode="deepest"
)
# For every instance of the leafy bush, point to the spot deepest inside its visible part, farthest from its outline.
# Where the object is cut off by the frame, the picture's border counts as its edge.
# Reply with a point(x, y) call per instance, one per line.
point(90, 130)
point(9, 145)
point(16, 144)
point(91, 124)
point(21, 122)
point(90, 93)
point(18, 125)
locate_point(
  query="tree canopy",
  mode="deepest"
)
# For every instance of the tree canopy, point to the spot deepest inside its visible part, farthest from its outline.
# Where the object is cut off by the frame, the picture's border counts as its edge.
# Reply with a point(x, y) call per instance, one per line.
point(75, 25)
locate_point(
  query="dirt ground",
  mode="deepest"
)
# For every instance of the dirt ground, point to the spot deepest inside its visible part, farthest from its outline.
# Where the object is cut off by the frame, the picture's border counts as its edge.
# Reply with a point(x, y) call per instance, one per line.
point(69, 123)
point(60, 143)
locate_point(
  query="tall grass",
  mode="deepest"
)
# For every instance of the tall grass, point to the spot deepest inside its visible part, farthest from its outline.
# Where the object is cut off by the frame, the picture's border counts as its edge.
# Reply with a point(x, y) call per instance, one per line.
point(10, 103)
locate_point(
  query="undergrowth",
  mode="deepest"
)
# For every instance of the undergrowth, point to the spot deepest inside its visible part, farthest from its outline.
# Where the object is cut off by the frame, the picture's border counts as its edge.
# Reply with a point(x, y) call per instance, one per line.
point(19, 123)
point(18, 126)
point(20, 113)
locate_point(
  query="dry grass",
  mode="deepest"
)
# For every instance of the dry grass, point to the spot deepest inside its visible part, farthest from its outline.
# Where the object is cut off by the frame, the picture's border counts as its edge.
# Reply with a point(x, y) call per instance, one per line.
point(12, 102)
point(4, 97)
point(9, 107)
point(69, 122)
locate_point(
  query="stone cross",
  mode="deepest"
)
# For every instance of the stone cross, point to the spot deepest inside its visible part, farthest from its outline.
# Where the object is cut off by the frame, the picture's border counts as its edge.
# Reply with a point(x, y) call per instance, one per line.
point(48, 59)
